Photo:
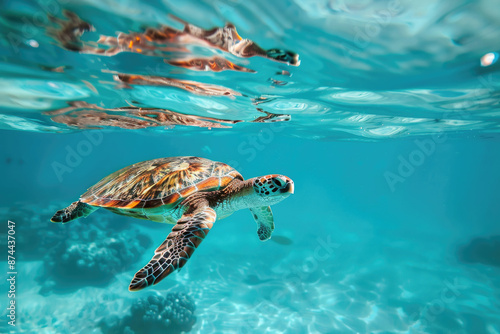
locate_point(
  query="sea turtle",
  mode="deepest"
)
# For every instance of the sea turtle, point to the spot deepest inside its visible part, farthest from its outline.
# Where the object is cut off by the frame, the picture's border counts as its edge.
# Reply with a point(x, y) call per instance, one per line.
point(190, 192)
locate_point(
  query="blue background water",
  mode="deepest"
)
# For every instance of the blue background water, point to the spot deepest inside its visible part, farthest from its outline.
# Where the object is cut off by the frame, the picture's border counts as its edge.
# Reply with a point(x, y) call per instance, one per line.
point(363, 246)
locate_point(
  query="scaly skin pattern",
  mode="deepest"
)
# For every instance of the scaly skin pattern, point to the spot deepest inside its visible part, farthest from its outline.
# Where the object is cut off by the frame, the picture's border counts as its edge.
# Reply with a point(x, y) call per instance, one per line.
point(174, 252)
point(153, 189)
point(191, 193)
point(237, 195)
point(201, 210)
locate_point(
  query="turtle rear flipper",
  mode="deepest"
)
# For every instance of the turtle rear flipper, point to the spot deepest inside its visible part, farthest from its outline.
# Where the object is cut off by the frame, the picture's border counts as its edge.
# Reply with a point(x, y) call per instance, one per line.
point(74, 211)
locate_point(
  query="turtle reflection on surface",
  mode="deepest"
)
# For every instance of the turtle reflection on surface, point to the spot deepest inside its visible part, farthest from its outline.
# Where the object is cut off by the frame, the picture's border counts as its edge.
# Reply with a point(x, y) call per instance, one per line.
point(194, 87)
point(214, 64)
point(85, 115)
point(166, 42)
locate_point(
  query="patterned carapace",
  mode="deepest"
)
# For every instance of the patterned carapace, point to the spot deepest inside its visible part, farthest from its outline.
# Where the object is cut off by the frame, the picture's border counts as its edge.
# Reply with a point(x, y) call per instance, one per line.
point(159, 182)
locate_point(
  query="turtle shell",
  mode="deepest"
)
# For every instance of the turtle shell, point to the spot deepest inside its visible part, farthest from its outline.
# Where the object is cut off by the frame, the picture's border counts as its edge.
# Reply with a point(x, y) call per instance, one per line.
point(164, 181)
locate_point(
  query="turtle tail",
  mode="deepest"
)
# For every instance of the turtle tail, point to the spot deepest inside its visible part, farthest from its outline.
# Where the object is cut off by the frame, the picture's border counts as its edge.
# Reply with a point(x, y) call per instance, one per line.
point(74, 211)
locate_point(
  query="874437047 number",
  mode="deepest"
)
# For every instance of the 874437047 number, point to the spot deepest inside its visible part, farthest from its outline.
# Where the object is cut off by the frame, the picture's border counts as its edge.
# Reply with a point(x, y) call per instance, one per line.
point(11, 244)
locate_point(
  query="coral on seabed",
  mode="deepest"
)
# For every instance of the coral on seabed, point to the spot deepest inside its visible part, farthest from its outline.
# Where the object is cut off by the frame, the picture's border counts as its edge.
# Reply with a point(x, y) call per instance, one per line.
point(35, 234)
point(173, 313)
point(85, 252)
point(90, 255)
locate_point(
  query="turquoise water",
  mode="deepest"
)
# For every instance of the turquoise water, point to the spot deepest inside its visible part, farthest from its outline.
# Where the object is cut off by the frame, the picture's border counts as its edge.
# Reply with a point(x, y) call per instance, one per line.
point(385, 115)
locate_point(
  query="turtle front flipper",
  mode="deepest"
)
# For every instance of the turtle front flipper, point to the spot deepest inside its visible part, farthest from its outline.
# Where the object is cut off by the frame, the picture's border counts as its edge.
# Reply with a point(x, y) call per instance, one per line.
point(174, 252)
point(74, 211)
point(265, 223)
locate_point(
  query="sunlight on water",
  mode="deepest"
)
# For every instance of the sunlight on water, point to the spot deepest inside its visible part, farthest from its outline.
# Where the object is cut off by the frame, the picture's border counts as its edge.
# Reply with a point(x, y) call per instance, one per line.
point(61, 55)
point(385, 114)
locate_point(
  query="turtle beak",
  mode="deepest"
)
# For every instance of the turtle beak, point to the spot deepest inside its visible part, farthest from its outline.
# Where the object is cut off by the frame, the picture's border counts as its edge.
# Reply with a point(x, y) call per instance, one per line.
point(288, 188)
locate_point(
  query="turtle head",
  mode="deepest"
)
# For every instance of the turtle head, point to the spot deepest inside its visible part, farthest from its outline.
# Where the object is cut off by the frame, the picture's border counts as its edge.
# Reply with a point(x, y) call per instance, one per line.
point(272, 189)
